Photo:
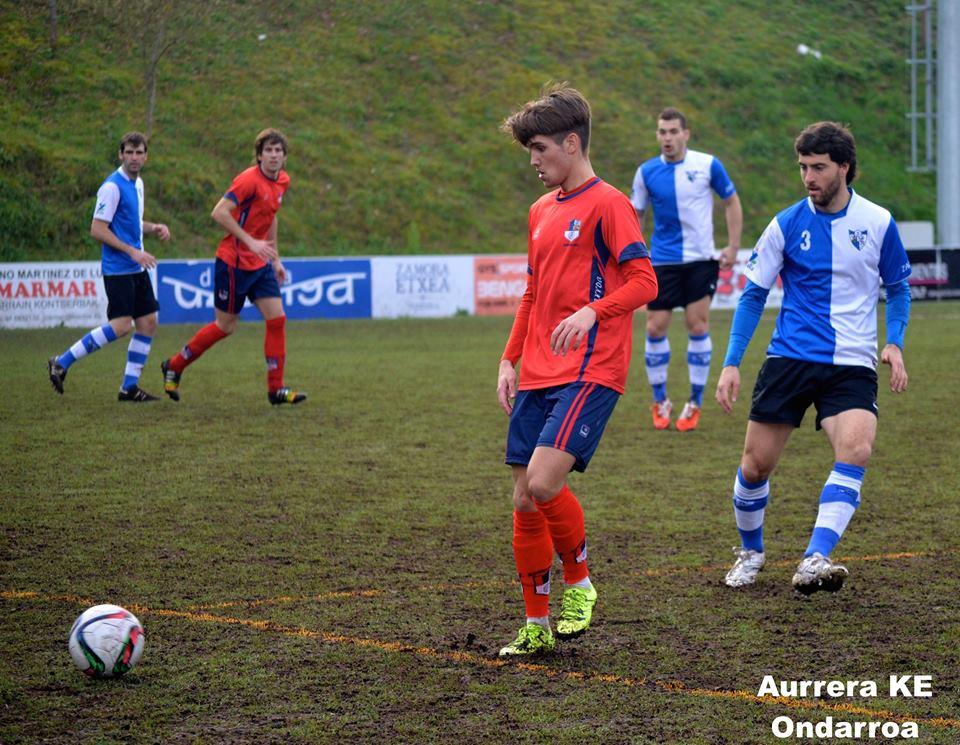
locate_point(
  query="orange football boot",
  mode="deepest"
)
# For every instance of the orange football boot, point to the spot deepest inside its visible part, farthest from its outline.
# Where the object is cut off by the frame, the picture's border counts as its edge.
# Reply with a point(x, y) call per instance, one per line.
point(689, 417)
point(661, 413)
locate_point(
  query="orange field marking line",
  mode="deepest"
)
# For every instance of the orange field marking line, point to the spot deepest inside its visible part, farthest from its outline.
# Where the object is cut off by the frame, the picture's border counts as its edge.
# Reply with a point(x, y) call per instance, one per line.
point(446, 587)
point(710, 568)
point(471, 658)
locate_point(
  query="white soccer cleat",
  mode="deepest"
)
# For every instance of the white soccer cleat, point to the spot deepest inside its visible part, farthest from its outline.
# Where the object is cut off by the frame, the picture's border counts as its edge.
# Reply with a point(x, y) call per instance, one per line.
point(746, 568)
point(817, 572)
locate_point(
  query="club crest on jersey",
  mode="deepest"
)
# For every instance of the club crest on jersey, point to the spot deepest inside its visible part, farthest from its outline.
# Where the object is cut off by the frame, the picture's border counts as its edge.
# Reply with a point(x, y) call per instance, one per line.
point(572, 232)
point(858, 238)
point(752, 261)
point(692, 175)
point(101, 207)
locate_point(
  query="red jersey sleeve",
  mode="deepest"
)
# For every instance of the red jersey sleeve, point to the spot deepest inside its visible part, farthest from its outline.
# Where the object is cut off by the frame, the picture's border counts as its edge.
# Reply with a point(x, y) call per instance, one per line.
point(639, 288)
point(242, 188)
point(621, 230)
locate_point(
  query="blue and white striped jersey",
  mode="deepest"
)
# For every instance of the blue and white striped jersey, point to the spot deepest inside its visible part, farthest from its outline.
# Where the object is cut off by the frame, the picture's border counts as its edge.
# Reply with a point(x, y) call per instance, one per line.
point(831, 266)
point(120, 203)
point(682, 197)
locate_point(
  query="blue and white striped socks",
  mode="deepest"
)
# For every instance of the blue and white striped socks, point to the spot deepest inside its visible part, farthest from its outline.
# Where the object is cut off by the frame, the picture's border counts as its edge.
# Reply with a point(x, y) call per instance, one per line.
point(838, 501)
point(657, 357)
point(699, 351)
point(749, 503)
point(89, 344)
point(137, 354)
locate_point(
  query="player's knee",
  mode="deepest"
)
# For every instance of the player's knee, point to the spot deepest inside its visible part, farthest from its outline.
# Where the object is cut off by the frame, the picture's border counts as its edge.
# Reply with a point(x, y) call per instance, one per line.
point(522, 501)
point(856, 453)
point(227, 325)
point(147, 325)
point(121, 326)
point(753, 470)
point(542, 488)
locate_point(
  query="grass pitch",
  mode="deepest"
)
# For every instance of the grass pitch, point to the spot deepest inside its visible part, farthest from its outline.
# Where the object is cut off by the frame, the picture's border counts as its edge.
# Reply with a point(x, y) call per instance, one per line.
point(341, 571)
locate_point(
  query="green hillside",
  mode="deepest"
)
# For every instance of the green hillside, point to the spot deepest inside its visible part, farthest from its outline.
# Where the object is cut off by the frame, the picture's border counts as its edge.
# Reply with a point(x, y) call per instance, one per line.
point(392, 109)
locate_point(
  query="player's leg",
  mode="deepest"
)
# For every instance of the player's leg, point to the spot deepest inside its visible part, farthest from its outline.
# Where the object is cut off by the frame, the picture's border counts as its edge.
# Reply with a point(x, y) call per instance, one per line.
point(533, 555)
point(577, 417)
point(145, 326)
point(851, 433)
point(228, 299)
point(700, 284)
point(532, 546)
point(763, 445)
point(699, 351)
point(275, 349)
point(265, 294)
point(120, 301)
point(657, 360)
point(781, 396)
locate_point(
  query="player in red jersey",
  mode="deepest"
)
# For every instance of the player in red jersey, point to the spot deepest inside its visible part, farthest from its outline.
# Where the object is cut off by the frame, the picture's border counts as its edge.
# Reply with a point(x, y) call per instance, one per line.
point(247, 266)
point(588, 270)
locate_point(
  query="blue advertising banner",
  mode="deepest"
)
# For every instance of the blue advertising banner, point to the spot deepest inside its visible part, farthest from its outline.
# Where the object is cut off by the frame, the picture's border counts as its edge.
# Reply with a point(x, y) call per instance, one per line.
point(315, 288)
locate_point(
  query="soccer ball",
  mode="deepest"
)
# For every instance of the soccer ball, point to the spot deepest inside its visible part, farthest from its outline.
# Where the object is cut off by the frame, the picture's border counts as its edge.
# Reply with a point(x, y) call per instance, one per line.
point(106, 641)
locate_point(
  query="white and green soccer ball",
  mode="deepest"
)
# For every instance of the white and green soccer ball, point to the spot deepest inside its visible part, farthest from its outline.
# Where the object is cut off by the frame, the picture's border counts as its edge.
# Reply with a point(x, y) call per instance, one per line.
point(106, 641)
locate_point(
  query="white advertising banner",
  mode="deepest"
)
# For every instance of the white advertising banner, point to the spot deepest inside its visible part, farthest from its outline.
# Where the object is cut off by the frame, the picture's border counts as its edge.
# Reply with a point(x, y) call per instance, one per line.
point(39, 295)
point(422, 286)
point(732, 281)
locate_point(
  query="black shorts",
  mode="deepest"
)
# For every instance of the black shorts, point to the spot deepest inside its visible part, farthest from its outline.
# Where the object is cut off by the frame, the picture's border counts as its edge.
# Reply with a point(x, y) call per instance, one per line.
point(786, 387)
point(129, 295)
point(232, 286)
point(683, 284)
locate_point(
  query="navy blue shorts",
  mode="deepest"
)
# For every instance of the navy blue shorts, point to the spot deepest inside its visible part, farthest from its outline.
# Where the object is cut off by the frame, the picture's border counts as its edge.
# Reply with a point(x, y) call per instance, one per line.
point(787, 387)
point(129, 295)
point(232, 286)
point(568, 417)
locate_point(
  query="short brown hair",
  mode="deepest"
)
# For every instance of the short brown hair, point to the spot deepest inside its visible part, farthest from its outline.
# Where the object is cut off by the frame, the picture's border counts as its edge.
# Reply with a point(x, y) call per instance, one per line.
point(670, 114)
point(133, 138)
point(559, 111)
point(829, 138)
point(269, 136)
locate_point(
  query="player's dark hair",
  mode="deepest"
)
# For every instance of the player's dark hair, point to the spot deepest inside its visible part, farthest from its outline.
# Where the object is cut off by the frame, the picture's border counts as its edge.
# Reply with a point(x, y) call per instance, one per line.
point(829, 138)
point(671, 114)
point(269, 136)
point(133, 138)
point(559, 111)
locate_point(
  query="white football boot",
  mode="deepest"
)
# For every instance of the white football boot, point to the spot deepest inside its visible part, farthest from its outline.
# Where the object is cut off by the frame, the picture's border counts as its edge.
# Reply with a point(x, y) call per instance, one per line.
point(817, 572)
point(746, 568)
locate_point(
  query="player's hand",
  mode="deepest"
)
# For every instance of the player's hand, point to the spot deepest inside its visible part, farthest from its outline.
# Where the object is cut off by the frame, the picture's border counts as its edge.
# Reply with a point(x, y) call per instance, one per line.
point(728, 387)
point(891, 355)
point(572, 330)
point(280, 270)
point(728, 257)
point(144, 259)
point(507, 386)
point(264, 250)
point(161, 231)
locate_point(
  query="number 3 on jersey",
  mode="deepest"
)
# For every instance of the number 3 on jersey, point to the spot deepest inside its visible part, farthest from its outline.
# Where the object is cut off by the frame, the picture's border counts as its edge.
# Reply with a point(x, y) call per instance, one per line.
point(805, 240)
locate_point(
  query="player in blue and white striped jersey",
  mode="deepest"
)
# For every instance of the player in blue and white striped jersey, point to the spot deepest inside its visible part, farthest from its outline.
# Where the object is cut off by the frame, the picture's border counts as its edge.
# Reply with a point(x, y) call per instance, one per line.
point(119, 227)
point(831, 250)
point(679, 184)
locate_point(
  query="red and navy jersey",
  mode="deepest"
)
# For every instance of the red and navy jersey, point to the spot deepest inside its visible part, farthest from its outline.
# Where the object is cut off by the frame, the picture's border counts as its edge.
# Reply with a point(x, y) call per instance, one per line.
point(577, 245)
point(258, 200)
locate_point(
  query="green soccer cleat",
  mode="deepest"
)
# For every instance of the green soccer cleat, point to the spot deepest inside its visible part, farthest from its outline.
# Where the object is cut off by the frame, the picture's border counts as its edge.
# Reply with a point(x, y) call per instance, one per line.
point(171, 381)
point(286, 396)
point(576, 611)
point(532, 640)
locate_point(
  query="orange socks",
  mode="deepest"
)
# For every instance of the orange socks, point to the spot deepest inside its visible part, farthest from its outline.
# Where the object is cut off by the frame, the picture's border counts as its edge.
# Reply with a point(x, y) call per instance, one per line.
point(564, 519)
point(275, 351)
point(200, 343)
point(533, 553)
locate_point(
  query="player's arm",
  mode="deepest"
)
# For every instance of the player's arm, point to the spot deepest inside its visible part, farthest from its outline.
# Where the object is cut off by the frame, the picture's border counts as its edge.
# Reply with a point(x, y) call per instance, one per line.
point(100, 230)
point(745, 321)
point(898, 316)
point(158, 229)
point(278, 267)
point(222, 214)
point(507, 375)
point(733, 212)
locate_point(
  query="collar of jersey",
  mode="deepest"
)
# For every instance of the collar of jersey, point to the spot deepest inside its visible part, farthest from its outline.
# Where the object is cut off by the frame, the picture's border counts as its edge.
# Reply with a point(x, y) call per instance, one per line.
point(673, 163)
point(124, 174)
point(561, 197)
point(833, 215)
